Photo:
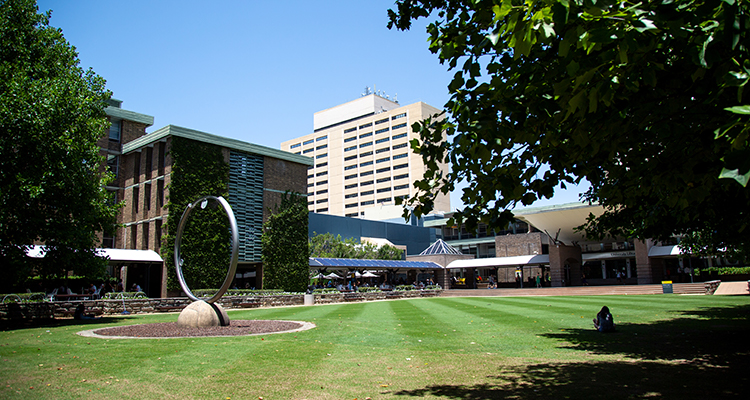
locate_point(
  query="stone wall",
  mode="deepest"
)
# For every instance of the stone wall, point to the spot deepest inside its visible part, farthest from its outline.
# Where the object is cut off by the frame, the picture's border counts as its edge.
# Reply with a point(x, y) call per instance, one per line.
point(175, 304)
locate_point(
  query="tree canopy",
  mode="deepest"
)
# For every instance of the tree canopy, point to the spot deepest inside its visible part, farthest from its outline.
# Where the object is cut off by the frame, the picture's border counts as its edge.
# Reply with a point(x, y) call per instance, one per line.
point(327, 245)
point(644, 100)
point(52, 113)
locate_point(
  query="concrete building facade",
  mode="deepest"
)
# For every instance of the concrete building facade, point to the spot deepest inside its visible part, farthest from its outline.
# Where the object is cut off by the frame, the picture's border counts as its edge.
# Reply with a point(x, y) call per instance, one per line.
point(362, 156)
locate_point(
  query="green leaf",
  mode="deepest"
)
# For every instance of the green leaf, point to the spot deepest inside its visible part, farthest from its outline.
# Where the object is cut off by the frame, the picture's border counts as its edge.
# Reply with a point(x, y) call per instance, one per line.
point(735, 174)
point(739, 109)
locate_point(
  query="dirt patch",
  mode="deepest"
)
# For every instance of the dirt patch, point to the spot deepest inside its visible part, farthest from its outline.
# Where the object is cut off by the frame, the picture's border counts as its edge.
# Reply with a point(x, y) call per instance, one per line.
point(171, 330)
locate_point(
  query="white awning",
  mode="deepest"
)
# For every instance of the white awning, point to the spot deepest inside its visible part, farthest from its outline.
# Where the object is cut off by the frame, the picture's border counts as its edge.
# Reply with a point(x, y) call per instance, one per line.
point(613, 255)
point(665, 251)
point(124, 255)
point(500, 261)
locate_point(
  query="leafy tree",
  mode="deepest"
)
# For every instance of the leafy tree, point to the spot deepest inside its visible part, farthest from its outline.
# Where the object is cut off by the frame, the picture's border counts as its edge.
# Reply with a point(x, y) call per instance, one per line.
point(51, 116)
point(286, 263)
point(644, 100)
point(198, 169)
point(328, 246)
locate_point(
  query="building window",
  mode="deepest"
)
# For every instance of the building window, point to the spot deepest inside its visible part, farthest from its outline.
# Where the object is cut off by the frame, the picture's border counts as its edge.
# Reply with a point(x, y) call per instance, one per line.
point(347, 140)
point(322, 210)
point(402, 115)
point(324, 191)
point(136, 198)
point(311, 184)
point(294, 146)
point(384, 130)
point(367, 203)
point(366, 173)
point(403, 135)
point(321, 138)
point(114, 131)
point(386, 179)
point(322, 155)
point(352, 215)
point(309, 203)
point(158, 232)
point(386, 169)
point(399, 126)
point(321, 201)
point(147, 197)
point(384, 159)
point(383, 150)
point(350, 167)
point(145, 236)
point(323, 173)
point(383, 190)
point(365, 154)
point(350, 158)
point(383, 140)
point(305, 143)
point(350, 130)
point(397, 156)
point(366, 183)
point(400, 166)
point(350, 148)
point(310, 176)
point(350, 186)
point(385, 200)
point(137, 167)
point(351, 205)
point(367, 193)
point(364, 135)
point(381, 121)
point(321, 147)
point(400, 146)
point(397, 177)
point(399, 187)
point(113, 164)
point(160, 192)
point(365, 144)
point(366, 163)
point(321, 165)
point(365, 125)
point(351, 196)
point(350, 176)
point(310, 150)
point(322, 183)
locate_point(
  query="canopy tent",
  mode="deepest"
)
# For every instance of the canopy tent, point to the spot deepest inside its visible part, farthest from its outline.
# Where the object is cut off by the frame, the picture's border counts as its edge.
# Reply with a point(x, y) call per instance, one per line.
point(440, 247)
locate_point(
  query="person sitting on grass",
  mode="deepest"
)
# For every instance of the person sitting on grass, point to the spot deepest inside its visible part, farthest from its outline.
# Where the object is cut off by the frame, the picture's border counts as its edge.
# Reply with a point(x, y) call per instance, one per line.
point(604, 321)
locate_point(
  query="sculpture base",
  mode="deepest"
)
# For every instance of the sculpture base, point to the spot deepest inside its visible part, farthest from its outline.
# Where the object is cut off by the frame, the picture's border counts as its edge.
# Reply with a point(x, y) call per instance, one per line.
point(201, 314)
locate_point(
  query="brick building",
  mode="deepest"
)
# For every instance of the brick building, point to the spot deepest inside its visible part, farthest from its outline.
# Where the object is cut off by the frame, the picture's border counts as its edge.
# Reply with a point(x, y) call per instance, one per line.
point(142, 164)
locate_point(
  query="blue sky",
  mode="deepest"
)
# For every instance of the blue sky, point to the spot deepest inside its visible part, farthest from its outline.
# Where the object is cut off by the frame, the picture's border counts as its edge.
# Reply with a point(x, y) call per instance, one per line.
point(256, 71)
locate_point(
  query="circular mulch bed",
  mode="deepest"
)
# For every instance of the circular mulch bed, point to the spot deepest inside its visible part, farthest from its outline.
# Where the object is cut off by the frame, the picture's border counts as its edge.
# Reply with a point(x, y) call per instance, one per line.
point(171, 330)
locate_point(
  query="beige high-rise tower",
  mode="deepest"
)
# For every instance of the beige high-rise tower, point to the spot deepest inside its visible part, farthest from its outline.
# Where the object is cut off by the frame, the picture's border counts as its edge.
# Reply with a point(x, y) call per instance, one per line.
point(362, 157)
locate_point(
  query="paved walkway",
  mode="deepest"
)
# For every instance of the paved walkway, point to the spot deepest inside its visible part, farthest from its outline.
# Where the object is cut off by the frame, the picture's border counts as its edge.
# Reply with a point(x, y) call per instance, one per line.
point(733, 288)
point(678, 288)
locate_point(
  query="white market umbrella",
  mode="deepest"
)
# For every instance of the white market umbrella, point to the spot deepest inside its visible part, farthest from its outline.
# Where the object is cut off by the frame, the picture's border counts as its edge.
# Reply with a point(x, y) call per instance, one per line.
point(332, 276)
point(369, 274)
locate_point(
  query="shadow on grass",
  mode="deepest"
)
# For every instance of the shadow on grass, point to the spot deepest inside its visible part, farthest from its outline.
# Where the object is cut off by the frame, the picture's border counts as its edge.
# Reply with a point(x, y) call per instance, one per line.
point(696, 355)
point(55, 323)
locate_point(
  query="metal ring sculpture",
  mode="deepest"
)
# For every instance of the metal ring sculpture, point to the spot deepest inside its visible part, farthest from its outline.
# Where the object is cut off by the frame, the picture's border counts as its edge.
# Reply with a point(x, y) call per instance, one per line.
point(203, 201)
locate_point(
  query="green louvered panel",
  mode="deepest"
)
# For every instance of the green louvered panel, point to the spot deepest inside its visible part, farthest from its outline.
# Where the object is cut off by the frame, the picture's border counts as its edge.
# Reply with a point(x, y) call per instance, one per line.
point(246, 199)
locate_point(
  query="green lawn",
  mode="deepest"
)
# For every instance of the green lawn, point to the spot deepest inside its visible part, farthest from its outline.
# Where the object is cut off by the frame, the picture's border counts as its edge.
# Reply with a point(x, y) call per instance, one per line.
point(667, 346)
